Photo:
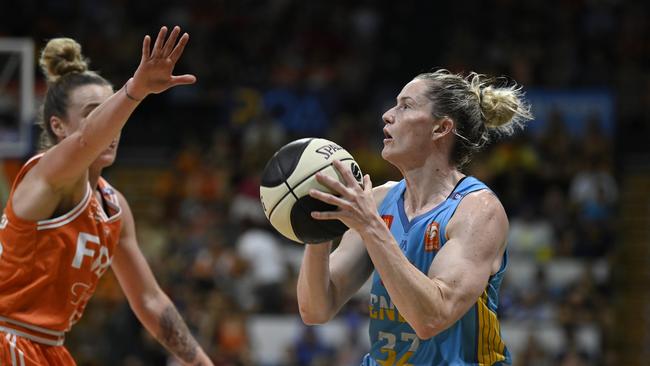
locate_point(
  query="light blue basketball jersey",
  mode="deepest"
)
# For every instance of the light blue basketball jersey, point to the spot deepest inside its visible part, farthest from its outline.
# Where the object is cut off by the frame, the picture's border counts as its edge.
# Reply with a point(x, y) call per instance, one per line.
point(475, 339)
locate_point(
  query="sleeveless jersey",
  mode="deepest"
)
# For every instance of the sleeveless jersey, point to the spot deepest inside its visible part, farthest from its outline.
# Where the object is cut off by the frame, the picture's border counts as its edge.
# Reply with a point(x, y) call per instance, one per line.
point(475, 339)
point(49, 269)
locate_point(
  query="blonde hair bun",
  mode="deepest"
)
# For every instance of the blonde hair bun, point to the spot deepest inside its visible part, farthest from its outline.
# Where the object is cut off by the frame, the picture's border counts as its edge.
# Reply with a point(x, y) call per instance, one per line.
point(61, 56)
point(502, 107)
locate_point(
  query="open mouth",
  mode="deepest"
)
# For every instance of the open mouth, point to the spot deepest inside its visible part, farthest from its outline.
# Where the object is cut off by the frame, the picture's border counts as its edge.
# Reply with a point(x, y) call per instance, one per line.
point(388, 136)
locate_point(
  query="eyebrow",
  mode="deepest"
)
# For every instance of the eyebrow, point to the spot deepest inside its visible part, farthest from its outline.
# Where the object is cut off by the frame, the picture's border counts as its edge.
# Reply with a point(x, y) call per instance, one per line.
point(405, 98)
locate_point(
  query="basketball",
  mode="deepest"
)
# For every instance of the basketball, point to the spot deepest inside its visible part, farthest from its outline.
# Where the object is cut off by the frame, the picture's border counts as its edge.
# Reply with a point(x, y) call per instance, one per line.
point(285, 185)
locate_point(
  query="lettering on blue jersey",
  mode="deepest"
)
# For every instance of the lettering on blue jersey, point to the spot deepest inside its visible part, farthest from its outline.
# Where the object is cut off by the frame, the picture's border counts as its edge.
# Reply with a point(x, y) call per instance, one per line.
point(457, 196)
point(382, 308)
point(388, 219)
point(432, 237)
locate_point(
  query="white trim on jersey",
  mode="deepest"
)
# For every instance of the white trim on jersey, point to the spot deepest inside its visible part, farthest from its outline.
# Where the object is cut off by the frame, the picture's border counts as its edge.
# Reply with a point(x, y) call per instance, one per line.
point(37, 156)
point(35, 328)
point(12, 347)
point(21, 357)
point(13, 355)
point(45, 341)
point(71, 215)
point(11, 338)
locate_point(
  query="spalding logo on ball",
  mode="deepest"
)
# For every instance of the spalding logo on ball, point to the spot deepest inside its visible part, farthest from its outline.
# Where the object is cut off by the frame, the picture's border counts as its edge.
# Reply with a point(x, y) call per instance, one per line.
point(285, 185)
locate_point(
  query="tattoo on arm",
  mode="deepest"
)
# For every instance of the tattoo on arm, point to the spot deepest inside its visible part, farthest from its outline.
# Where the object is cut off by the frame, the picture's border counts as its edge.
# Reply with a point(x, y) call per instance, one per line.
point(176, 337)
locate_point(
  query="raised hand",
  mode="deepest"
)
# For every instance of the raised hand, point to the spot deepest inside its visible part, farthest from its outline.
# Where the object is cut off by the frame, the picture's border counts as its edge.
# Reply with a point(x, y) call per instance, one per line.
point(356, 204)
point(154, 74)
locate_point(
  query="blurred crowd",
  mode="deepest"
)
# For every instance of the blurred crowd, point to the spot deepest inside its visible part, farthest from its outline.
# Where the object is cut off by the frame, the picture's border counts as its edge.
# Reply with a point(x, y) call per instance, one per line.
point(272, 72)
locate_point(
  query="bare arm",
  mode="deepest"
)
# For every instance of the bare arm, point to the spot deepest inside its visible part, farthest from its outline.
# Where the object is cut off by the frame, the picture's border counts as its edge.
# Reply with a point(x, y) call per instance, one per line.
point(62, 170)
point(459, 273)
point(150, 304)
point(326, 282)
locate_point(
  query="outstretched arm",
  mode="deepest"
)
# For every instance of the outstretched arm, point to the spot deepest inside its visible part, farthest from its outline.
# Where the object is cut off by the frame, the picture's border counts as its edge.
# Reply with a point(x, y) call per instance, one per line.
point(62, 169)
point(150, 304)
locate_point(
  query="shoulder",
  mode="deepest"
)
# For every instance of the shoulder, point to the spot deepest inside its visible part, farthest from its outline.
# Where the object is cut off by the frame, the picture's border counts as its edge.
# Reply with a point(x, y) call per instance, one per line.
point(128, 222)
point(120, 197)
point(380, 192)
point(482, 203)
point(33, 160)
point(27, 169)
point(480, 225)
point(479, 211)
point(124, 204)
point(106, 186)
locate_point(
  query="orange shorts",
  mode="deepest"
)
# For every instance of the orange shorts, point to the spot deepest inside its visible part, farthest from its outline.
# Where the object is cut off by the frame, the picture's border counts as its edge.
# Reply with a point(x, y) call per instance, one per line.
point(18, 351)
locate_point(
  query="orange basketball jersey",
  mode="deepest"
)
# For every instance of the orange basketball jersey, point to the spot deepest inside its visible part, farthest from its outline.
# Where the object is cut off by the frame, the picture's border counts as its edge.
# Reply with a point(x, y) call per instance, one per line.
point(49, 269)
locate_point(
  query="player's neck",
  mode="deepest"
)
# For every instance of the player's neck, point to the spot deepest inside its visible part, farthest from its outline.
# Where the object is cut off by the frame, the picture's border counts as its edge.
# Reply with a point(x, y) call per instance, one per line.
point(428, 185)
point(93, 176)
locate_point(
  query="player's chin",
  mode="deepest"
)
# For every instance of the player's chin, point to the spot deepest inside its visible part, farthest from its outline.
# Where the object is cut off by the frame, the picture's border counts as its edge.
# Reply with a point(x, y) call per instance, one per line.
point(386, 153)
point(106, 158)
point(392, 155)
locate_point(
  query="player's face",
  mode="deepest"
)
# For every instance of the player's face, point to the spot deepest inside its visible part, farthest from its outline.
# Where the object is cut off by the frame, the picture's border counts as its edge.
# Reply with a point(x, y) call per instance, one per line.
point(82, 101)
point(408, 126)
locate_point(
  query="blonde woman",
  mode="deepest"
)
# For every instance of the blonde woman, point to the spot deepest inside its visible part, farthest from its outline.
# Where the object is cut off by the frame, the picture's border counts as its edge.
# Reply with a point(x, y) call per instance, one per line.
point(64, 225)
point(435, 242)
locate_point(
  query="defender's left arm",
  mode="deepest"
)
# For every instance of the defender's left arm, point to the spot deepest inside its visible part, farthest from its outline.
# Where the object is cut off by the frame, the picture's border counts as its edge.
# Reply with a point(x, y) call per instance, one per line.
point(150, 304)
point(459, 272)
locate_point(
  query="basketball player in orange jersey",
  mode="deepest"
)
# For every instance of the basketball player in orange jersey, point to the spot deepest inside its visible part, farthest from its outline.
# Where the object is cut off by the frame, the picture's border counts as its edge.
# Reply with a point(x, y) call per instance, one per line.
point(64, 225)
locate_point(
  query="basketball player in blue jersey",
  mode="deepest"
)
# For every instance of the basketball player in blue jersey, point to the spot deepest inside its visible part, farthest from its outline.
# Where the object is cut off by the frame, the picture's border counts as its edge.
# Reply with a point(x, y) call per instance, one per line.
point(435, 242)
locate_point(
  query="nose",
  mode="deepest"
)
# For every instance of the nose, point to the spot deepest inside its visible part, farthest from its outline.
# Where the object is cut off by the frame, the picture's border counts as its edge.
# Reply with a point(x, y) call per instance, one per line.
point(389, 116)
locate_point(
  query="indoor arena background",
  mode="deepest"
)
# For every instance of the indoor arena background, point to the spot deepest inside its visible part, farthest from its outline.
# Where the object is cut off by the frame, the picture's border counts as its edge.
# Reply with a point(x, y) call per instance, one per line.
point(574, 184)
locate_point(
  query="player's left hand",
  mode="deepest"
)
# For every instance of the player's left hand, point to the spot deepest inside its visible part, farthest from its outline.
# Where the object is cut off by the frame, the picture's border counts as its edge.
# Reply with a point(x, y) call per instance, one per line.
point(154, 74)
point(356, 204)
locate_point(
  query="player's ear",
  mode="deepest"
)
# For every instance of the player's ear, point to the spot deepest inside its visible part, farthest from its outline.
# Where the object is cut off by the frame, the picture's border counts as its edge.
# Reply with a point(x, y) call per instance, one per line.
point(442, 127)
point(58, 128)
